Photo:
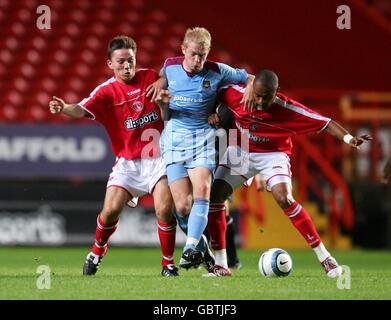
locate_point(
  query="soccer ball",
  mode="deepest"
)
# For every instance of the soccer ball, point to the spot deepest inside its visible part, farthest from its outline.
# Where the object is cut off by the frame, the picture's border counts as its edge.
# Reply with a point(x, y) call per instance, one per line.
point(275, 262)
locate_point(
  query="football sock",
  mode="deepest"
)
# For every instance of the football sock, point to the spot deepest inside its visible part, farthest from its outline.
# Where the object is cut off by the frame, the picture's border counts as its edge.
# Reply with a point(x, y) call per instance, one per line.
point(167, 233)
point(303, 223)
point(321, 252)
point(182, 223)
point(230, 240)
point(102, 235)
point(198, 220)
point(217, 226)
point(221, 258)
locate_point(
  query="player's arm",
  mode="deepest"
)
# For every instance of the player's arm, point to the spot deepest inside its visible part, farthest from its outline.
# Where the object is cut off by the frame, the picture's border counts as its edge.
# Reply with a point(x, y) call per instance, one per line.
point(248, 95)
point(342, 134)
point(163, 98)
point(58, 106)
point(154, 88)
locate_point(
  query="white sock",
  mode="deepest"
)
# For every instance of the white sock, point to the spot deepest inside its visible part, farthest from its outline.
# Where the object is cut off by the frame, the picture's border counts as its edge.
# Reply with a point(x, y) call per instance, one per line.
point(221, 258)
point(321, 252)
point(191, 242)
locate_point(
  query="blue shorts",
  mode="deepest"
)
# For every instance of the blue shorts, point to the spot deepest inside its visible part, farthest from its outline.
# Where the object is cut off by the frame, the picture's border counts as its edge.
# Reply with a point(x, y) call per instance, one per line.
point(176, 171)
point(187, 149)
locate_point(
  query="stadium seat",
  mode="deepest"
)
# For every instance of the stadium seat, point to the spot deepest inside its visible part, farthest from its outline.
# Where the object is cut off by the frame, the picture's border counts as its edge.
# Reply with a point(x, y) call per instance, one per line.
point(69, 59)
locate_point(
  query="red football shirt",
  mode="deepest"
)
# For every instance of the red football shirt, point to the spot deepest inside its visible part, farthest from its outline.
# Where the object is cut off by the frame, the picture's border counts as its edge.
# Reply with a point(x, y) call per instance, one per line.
point(125, 112)
point(271, 130)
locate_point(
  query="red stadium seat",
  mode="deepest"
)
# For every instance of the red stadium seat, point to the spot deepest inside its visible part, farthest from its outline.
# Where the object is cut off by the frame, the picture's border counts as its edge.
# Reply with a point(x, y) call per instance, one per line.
point(12, 43)
point(69, 59)
point(5, 56)
point(33, 57)
point(39, 43)
point(21, 84)
point(9, 113)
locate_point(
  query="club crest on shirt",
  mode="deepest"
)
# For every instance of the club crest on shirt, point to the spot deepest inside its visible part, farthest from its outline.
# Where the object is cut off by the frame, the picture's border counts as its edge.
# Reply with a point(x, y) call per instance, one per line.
point(137, 106)
point(206, 84)
point(253, 127)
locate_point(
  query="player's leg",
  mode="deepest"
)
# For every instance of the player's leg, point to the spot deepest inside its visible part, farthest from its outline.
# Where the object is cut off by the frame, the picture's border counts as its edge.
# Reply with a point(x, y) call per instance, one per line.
point(233, 260)
point(225, 182)
point(166, 222)
point(203, 245)
point(200, 178)
point(181, 190)
point(107, 222)
point(282, 193)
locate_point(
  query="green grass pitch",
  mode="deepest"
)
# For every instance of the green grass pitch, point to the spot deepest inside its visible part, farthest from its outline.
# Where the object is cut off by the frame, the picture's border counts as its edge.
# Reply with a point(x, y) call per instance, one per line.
point(133, 274)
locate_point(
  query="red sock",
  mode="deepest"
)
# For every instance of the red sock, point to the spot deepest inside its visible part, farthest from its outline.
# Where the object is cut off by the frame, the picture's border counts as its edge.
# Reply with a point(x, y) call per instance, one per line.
point(167, 233)
point(102, 235)
point(303, 223)
point(217, 225)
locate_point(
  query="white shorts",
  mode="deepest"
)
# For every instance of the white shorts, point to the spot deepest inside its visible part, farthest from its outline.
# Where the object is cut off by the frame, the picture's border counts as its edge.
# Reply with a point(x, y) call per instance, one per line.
point(138, 177)
point(238, 166)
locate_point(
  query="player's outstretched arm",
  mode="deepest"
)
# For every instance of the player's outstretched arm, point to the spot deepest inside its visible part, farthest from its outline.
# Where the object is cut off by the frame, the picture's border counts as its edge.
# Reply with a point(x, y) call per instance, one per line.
point(154, 88)
point(58, 106)
point(341, 133)
point(163, 98)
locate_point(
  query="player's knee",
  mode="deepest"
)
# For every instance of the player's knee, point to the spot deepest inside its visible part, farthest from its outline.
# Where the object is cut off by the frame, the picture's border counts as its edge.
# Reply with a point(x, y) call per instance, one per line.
point(202, 191)
point(164, 213)
point(284, 201)
point(112, 210)
point(220, 192)
point(183, 207)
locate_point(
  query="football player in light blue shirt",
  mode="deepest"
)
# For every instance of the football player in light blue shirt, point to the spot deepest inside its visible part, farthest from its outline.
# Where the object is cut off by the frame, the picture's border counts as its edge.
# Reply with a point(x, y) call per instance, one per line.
point(188, 141)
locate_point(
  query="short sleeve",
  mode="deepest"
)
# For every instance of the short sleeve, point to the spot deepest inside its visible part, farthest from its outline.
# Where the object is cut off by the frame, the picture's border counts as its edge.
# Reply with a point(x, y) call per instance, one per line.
point(96, 104)
point(232, 75)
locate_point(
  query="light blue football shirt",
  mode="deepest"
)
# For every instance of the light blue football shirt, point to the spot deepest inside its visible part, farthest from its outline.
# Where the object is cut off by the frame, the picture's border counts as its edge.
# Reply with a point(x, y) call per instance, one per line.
point(194, 95)
point(187, 137)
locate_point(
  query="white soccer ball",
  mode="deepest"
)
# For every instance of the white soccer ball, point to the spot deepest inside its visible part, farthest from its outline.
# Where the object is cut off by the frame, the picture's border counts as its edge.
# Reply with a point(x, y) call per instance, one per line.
point(275, 262)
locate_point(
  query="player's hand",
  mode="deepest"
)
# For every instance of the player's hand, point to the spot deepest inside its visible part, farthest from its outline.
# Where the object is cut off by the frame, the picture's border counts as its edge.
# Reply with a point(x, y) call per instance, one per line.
point(359, 140)
point(248, 98)
point(154, 88)
point(163, 97)
point(386, 173)
point(214, 120)
point(56, 105)
point(260, 182)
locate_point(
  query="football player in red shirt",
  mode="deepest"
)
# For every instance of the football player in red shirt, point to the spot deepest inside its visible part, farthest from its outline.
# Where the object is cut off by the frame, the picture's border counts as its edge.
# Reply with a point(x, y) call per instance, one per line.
point(133, 124)
point(268, 127)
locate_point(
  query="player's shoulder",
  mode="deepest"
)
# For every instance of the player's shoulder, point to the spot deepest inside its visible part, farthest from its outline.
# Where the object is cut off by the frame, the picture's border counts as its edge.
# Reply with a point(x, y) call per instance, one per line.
point(104, 86)
point(173, 61)
point(145, 74)
point(233, 88)
point(213, 66)
point(284, 100)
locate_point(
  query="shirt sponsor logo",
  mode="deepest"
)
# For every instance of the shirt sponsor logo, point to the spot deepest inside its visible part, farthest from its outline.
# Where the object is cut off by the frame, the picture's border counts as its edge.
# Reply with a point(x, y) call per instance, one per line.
point(130, 93)
point(252, 137)
point(132, 124)
point(187, 99)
